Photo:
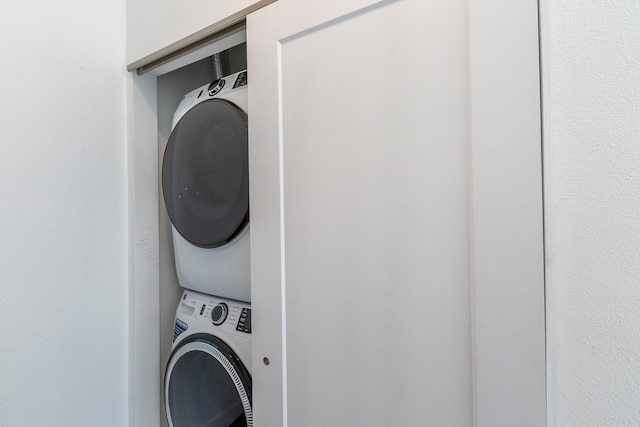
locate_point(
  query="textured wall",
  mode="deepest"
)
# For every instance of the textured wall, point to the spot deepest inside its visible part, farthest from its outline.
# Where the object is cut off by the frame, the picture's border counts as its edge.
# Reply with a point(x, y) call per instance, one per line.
point(591, 64)
point(63, 221)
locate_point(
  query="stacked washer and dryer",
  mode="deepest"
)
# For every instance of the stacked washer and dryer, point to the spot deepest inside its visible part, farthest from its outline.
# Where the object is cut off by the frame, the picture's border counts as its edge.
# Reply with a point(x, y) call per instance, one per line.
point(205, 183)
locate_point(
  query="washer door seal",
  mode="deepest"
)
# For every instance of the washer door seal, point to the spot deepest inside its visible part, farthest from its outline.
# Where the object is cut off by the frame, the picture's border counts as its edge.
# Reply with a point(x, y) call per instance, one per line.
point(205, 174)
point(207, 384)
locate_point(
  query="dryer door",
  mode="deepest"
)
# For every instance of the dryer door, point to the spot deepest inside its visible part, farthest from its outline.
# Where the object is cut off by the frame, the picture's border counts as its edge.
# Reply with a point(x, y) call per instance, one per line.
point(205, 174)
point(207, 385)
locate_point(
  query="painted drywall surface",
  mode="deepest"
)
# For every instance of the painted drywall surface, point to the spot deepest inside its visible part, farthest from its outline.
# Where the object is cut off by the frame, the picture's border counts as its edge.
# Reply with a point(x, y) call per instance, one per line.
point(154, 24)
point(591, 60)
point(63, 220)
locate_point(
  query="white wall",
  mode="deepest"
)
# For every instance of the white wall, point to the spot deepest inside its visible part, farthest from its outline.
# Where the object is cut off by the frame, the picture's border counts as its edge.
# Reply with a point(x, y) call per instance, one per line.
point(152, 25)
point(63, 214)
point(591, 64)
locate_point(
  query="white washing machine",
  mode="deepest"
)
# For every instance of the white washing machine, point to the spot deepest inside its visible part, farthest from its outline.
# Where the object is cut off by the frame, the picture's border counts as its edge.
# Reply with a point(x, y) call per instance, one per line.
point(208, 376)
point(205, 183)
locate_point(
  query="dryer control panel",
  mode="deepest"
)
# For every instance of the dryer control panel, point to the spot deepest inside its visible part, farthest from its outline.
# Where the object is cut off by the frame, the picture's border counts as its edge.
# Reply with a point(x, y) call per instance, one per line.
point(224, 87)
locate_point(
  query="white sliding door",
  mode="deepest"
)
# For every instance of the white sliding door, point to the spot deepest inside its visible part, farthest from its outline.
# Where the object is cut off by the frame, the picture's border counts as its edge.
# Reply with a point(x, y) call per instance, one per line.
point(396, 213)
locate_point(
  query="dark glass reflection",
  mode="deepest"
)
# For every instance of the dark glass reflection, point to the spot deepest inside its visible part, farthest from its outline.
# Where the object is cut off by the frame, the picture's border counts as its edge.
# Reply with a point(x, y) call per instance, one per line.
point(201, 394)
point(205, 174)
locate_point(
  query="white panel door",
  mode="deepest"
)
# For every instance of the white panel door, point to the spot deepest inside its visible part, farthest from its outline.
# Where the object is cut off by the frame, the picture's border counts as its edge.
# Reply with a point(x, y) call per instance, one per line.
point(396, 214)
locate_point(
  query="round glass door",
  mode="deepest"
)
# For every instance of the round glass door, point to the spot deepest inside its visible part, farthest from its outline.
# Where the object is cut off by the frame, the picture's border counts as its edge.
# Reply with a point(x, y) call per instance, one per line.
point(207, 386)
point(205, 174)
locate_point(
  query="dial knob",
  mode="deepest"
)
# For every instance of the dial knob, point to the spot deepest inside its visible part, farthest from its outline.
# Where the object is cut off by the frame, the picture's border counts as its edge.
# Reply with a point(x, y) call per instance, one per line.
point(215, 86)
point(219, 313)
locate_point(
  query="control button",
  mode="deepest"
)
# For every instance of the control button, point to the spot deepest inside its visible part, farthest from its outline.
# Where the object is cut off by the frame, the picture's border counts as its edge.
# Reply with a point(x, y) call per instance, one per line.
point(244, 324)
point(215, 86)
point(241, 80)
point(202, 309)
point(219, 313)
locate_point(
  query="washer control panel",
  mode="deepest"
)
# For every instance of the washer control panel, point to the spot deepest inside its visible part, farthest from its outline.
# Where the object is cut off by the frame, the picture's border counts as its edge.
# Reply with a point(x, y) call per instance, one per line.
point(203, 310)
point(244, 324)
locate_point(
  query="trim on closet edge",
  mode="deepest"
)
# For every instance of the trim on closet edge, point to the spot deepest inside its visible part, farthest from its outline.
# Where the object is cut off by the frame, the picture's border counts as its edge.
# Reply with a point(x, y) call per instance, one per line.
point(223, 28)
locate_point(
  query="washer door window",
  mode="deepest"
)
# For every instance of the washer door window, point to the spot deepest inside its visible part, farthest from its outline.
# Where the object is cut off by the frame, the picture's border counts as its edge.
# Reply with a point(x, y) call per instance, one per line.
point(207, 385)
point(205, 174)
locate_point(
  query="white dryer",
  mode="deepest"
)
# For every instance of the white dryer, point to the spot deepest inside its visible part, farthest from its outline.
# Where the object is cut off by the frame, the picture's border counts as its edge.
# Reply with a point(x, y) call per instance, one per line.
point(208, 376)
point(205, 183)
